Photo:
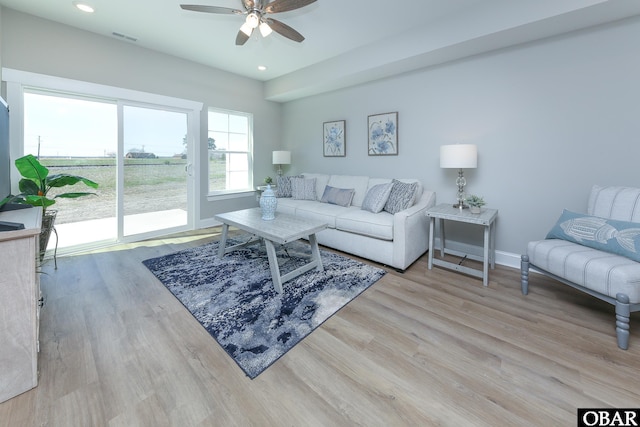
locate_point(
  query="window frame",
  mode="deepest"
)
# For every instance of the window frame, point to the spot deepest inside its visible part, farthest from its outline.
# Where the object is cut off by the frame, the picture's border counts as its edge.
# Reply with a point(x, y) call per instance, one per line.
point(231, 193)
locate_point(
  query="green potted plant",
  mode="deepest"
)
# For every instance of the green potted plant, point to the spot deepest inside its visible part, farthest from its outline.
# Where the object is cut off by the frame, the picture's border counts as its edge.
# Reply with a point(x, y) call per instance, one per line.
point(34, 189)
point(475, 203)
point(268, 180)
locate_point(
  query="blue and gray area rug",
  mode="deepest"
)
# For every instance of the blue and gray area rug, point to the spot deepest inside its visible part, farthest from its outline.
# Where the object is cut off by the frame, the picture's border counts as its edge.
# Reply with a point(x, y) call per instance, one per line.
point(234, 299)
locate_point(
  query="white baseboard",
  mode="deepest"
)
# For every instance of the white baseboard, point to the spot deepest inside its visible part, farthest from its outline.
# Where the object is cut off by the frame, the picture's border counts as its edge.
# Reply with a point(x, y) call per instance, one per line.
point(507, 259)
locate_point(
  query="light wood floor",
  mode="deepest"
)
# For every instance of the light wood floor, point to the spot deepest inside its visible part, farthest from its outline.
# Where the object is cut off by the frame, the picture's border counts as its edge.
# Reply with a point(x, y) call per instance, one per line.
point(420, 348)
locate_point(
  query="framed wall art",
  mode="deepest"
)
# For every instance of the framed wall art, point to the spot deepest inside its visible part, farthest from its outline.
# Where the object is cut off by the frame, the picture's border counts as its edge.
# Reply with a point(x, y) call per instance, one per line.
point(383, 134)
point(334, 139)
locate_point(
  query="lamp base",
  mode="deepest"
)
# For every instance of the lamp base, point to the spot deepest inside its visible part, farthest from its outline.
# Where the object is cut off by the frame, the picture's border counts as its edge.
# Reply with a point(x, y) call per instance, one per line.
point(461, 182)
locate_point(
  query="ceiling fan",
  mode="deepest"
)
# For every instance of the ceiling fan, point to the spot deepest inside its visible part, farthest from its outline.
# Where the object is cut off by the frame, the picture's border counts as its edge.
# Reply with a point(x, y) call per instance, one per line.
point(256, 12)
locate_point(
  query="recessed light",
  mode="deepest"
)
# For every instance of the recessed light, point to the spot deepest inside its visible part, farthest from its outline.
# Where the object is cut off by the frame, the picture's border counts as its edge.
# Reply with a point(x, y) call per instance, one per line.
point(83, 7)
point(262, 68)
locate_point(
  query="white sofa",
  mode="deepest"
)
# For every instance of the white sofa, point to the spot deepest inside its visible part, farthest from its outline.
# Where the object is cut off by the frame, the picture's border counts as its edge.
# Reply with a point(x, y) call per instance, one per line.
point(396, 240)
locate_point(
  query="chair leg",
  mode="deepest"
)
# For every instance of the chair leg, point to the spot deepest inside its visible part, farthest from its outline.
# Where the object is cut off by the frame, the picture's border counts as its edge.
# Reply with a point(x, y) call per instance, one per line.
point(524, 274)
point(622, 320)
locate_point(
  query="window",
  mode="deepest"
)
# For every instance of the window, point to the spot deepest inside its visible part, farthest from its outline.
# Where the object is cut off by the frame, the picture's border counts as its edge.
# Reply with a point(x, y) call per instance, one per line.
point(230, 147)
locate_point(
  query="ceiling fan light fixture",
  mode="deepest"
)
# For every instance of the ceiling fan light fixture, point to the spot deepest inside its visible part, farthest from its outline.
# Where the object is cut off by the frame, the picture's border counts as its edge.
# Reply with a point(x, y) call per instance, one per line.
point(255, 13)
point(253, 20)
point(246, 28)
point(265, 29)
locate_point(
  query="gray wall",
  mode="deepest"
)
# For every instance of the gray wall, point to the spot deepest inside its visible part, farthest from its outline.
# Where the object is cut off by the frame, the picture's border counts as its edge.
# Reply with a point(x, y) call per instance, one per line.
point(41, 46)
point(550, 118)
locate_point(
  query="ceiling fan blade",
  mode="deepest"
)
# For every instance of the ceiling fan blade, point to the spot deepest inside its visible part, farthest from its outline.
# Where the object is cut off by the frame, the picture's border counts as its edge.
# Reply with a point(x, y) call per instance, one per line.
point(286, 5)
point(241, 38)
point(211, 9)
point(249, 4)
point(285, 30)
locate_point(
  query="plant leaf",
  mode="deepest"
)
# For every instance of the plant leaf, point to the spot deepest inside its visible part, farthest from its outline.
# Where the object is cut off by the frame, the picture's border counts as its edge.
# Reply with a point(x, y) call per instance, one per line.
point(60, 180)
point(29, 167)
point(39, 201)
point(28, 187)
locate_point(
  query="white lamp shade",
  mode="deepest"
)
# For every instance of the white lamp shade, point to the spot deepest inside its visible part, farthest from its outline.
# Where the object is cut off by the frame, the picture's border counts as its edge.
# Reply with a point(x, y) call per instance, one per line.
point(459, 156)
point(281, 157)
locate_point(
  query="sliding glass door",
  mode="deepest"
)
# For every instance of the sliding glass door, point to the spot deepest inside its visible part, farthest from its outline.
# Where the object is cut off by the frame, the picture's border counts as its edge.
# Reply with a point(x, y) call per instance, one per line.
point(154, 170)
point(139, 154)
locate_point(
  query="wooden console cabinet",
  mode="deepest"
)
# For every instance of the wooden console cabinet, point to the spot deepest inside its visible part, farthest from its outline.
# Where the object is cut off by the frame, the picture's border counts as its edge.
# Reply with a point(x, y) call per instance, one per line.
point(19, 303)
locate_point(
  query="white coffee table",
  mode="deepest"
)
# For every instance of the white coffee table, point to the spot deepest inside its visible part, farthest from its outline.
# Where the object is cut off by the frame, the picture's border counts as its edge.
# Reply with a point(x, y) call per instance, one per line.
point(281, 230)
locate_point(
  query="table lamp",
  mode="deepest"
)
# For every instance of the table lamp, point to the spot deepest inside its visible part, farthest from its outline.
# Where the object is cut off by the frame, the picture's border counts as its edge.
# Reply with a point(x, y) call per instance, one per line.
point(281, 158)
point(459, 156)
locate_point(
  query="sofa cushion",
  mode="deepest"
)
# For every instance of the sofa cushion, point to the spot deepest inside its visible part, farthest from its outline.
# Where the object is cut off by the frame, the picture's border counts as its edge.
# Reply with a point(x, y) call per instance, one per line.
point(288, 205)
point(609, 235)
point(376, 197)
point(600, 271)
point(303, 188)
point(337, 196)
point(321, 182)
point(402, 196)
point(321, 211)
point(377, 225)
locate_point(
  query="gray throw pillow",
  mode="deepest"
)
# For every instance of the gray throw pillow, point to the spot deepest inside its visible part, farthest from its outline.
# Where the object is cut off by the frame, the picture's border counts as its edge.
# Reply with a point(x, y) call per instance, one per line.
point(338, 196)
point(283, 183)
point(377, 197)
point(303, 189)
point(401, 197)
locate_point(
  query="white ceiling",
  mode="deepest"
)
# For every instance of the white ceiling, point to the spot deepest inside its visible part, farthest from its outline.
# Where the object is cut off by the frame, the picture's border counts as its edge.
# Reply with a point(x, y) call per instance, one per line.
point(347, 41)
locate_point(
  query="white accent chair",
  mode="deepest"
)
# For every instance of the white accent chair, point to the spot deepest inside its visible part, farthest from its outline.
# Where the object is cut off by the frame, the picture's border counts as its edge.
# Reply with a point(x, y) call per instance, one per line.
point(604, 275)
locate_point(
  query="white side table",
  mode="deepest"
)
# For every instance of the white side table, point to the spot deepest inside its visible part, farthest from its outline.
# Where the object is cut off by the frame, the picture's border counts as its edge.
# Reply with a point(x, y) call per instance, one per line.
point(486, 218)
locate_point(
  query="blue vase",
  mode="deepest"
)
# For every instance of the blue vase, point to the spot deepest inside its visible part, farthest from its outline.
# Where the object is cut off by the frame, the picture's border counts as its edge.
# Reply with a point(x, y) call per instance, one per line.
point(268, 204)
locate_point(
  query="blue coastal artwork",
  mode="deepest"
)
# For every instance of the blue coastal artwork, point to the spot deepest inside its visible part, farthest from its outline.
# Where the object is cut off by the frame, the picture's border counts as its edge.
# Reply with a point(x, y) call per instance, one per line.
point(334, 139)
point(383, 134)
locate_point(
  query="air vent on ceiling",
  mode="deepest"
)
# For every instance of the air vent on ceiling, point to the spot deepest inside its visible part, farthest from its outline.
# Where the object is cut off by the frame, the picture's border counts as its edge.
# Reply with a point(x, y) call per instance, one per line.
point(124, 36)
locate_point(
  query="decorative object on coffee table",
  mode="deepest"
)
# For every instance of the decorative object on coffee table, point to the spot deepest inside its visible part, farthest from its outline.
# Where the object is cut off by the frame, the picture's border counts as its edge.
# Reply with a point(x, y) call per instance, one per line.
point(268, 204)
